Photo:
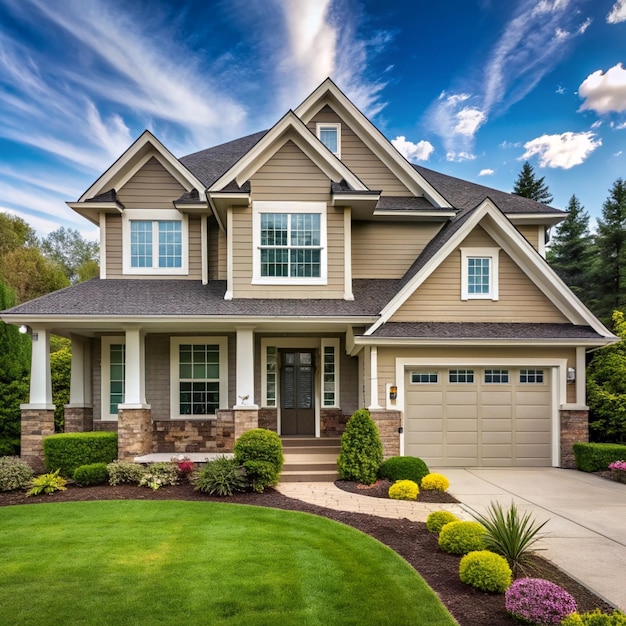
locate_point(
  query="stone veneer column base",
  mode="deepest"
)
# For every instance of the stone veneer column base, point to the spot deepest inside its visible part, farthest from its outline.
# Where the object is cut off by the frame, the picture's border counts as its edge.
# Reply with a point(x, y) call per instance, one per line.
point(36, 424)
point(574, 429)
point(388, 423)
point(246, 418)
point(78, 419)
point(134, 431)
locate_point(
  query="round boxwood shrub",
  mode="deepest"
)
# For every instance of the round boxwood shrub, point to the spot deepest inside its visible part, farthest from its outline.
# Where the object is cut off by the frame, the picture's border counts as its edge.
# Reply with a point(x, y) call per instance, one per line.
point(404, 490)
point(403, 468)
point(361, 449)
point(14, 473)
point(486, 571)
point(435, 482)
point(260, 452)
point(595, 618)
point(539, 601)
point(438, 519)
point(462, 537)
point(91, 474)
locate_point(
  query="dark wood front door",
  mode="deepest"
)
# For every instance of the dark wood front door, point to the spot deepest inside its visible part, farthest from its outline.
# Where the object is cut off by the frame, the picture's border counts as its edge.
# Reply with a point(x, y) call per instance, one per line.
point(297, 392)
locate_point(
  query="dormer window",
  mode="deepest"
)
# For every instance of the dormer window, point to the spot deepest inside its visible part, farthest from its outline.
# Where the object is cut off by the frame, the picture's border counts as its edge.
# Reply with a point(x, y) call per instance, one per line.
point(330, 135)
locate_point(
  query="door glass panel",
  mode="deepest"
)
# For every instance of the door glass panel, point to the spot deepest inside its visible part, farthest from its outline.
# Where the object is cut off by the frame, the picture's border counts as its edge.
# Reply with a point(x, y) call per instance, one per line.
point(288, 390)
point(290, 358)
point(305, 358)
point(305, 390)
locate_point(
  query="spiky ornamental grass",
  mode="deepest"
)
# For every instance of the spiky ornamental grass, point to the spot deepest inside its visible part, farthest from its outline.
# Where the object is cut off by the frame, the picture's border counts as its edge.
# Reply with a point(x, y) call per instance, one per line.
point(511, 534)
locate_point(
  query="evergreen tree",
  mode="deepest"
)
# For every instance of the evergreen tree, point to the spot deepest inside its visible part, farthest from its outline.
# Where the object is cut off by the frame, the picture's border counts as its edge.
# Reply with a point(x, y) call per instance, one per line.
point(609, 272)
point(529, 186)
point(571, 249)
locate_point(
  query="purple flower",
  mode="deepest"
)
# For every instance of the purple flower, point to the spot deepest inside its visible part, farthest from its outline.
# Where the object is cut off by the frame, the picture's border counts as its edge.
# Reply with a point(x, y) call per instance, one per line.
point(618, 466)
point(539, 601)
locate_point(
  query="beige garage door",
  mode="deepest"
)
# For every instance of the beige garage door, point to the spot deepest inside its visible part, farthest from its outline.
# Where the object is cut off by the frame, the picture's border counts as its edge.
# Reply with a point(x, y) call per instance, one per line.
point(478, 417)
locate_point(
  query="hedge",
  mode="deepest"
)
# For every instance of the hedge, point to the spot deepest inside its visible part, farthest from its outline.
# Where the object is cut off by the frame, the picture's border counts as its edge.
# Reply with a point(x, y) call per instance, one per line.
point(68, 451)
point(595, 457)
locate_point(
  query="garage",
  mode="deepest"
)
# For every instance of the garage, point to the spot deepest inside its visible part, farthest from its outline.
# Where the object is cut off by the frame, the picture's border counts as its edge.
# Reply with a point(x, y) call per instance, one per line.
point(478, 416)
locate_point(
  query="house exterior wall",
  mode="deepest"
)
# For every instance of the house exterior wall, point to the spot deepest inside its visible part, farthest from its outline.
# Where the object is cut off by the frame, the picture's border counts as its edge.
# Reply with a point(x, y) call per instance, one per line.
point(532, 233)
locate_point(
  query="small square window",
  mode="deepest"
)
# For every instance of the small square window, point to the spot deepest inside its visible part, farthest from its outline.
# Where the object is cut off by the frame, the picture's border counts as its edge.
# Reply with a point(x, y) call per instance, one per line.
point(497, 377)
point(461, 376)
point(424, 377)
point(531, 376)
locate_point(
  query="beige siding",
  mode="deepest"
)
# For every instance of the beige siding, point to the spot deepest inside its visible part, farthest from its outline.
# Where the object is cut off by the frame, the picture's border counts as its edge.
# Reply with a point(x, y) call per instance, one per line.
point(213, 244)
point(533, 234)
point(152, 187)
point(360, 159)
point(158, 375)
point(113, 246)
point(222, 260)
point(439, 297)
point(387, 249)
point(195, 248)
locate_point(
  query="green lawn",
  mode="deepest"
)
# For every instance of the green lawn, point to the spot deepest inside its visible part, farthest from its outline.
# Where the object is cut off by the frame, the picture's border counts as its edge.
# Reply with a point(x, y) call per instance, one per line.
point(130, 563)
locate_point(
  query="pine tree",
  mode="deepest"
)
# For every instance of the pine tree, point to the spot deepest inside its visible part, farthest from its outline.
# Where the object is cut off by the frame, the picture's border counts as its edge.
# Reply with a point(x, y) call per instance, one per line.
point(609, 272)
point(529, 186)
point(570, 252)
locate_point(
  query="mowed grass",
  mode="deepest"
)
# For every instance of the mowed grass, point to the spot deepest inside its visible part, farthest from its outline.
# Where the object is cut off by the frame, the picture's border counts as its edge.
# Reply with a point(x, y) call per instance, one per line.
point(169, 562)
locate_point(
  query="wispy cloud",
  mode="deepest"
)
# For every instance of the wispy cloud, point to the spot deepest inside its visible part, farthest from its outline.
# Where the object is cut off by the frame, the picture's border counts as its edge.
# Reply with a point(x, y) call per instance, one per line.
point(564, 151)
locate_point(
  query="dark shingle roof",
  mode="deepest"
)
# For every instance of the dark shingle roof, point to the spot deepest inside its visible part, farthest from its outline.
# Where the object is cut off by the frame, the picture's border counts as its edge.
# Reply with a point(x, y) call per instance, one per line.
point(483, 330)
point(399, 203)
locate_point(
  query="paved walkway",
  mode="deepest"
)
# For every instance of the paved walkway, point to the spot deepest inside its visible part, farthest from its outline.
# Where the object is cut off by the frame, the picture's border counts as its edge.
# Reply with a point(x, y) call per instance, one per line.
point(586, 529)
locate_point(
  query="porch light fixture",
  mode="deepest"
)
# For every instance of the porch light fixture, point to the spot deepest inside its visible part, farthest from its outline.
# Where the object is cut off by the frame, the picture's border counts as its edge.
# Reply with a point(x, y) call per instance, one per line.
point(571, 374)
point(23, 329)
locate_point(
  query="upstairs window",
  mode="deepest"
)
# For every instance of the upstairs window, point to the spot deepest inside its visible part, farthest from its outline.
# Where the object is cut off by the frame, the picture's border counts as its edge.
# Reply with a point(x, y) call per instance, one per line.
point(330, 135)
point(479, 273)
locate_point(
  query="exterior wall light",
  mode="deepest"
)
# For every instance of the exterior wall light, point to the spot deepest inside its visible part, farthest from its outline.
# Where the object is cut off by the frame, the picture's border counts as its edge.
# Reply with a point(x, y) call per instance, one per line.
point(571, 374)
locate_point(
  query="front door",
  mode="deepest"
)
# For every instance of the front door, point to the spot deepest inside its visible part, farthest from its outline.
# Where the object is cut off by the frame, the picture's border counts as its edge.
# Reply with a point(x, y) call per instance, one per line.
point(297, 392)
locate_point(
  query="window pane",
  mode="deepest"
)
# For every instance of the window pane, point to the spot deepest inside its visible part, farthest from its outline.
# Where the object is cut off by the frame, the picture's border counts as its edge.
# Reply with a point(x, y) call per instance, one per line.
point(461, 376)
point(478, 275)
point(424, 378)
point(117, 370)
point(201, 395)
point(275, 262)
point(274, 229)
point(497, 376)
point(140, 243)
point(305, 229)
point(328, 136)
point(305, 263)
point(329, 376)
point(170, 243)
point(531, 376)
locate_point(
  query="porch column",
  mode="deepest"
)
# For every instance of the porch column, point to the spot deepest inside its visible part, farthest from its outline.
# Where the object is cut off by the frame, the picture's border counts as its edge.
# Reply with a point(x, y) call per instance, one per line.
point(245, 412)
point(79, 411)
point(374, 379)
point(38, 414)
point(134, 426)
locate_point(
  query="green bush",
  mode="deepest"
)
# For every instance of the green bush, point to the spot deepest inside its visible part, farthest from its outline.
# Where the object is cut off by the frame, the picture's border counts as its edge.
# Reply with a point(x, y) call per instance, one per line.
point(486, 571)
point(47, 483)
point(595, 457)
point(435, 482)
point(361, 449)
point(92, 474)
point(404, 468)
point(261, 474)
point(221, 477)
point(438, 519)
point(121, 472)
point(260, 444)
point(14, 473)
point(67, 451)
point(158, 475)
point(595, 618)
point(462, 537)
point(404, 490)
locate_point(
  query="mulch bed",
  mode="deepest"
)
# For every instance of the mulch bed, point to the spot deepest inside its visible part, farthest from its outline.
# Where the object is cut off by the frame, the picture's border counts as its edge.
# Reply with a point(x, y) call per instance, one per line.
point(411, 540)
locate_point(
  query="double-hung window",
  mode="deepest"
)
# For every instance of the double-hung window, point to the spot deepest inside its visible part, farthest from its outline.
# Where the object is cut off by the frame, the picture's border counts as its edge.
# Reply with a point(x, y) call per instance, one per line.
point(479, 273)
point(113, 375)
point(329, 133)
point(289, 243)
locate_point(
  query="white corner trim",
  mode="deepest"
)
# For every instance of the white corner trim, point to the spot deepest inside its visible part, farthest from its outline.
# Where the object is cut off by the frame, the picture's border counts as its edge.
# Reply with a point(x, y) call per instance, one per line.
point(103, 245)
point(229, 255)
point(347, 254)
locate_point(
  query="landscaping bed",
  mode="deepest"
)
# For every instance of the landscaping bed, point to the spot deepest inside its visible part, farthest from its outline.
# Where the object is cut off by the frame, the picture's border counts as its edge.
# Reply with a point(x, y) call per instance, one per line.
point(411, 540)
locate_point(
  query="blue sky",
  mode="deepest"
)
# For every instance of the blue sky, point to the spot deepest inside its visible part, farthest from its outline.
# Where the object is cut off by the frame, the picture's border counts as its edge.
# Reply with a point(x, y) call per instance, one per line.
point(471, 88)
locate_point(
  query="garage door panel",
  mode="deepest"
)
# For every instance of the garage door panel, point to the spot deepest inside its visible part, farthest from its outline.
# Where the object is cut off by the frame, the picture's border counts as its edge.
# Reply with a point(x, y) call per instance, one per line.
point(463, 411)
point(532, 413)
point(425, 425)
point(462, 438)
point(497, 398)
point(533, 398)
point(531, 438)
point(428, 438)
point(425, 397)
point(461, 425)
point(497, 452)
point(463, 398)
point(496, 425)
point(536, 425)
point(504, 437)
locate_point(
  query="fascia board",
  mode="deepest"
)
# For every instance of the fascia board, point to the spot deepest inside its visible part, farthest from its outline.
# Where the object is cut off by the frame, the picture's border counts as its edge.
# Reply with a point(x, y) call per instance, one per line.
point(132, 154)
point(91, 210)
point(544, 219)
point(277, 136)
point(363, 340)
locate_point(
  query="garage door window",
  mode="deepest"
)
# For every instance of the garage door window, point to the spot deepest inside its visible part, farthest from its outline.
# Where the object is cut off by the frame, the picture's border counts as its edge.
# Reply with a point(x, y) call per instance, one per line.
point(424, 378)
point(531, 376)
point(497, 377)
point(461, 376)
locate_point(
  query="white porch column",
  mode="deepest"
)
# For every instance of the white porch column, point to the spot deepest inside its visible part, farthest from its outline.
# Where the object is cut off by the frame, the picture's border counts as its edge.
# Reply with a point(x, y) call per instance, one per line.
point(40, 375)
point(135, 376)
point(374, 404)
point(245, 368)
point(80, 382)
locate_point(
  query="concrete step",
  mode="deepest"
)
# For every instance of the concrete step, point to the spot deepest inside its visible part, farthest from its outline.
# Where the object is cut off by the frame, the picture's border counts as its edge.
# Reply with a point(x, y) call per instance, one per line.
point(308, 476)
point(311, 465)
point(292, 456)
point(307, 442)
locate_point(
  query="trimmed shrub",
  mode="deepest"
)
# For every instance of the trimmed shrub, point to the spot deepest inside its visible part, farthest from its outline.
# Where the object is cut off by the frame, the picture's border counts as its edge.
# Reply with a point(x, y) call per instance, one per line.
point(47, 483)
point(220, 477)
point(403, 468)
point(14, 473)
point(438, 519)
point(158, 475)
point(595, 618)
point(404, 490)
point(260, 444)
point(92, 474)
point(261, 475)
point(361, 449)
point(595, 457)
point(67, 451)
point(486, 571)
point(121, 472)
point(462, 537)
point(435, 482)
point(539, 601)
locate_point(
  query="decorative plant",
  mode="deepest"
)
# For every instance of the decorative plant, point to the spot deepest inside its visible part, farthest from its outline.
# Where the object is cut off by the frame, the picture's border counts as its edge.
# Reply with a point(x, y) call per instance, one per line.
point(462, 537)
point(539, 601)
point(91, 474)
point(361, 449)
point(47, 483)
point(121, 472)
point(185, 466)
point(618, 469)
point(438, 519)
point(158, 475)
point(595, 618)
point(221, 477)
point(260, 452)
point(14, 473)
point(435, 482)
point(486, 571)
point(403, 468)
point(511, 534)
point(404, 490)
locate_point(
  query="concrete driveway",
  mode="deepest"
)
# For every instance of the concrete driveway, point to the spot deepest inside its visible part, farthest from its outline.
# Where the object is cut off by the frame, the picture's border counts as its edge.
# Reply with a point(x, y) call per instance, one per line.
point(587, 518)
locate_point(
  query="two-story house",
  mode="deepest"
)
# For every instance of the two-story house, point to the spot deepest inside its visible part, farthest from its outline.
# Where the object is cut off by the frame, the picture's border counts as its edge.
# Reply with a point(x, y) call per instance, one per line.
point(289, 277)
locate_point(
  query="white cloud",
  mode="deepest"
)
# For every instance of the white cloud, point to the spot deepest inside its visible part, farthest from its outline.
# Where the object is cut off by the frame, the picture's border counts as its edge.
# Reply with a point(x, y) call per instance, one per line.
point(617, 13)
point(469, 120)
point(596, 124)
point(459, 156)
point(585, 25)
point(618, 153)
point(604, 92)
point(419, 151)
point(486, 172)
point(565, 150)
point(621, 126)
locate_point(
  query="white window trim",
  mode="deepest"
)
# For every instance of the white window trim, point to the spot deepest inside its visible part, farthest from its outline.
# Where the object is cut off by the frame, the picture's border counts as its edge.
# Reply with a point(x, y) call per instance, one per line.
point(337, 127)
point(263, 206)
point(155, 215)
point(105, 376)
point(337, 388)
point(493, 255)
point(175, 343)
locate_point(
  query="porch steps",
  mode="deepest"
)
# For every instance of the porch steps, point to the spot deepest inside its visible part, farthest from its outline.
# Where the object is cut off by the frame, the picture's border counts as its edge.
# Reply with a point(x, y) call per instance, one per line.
point(309, 459)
